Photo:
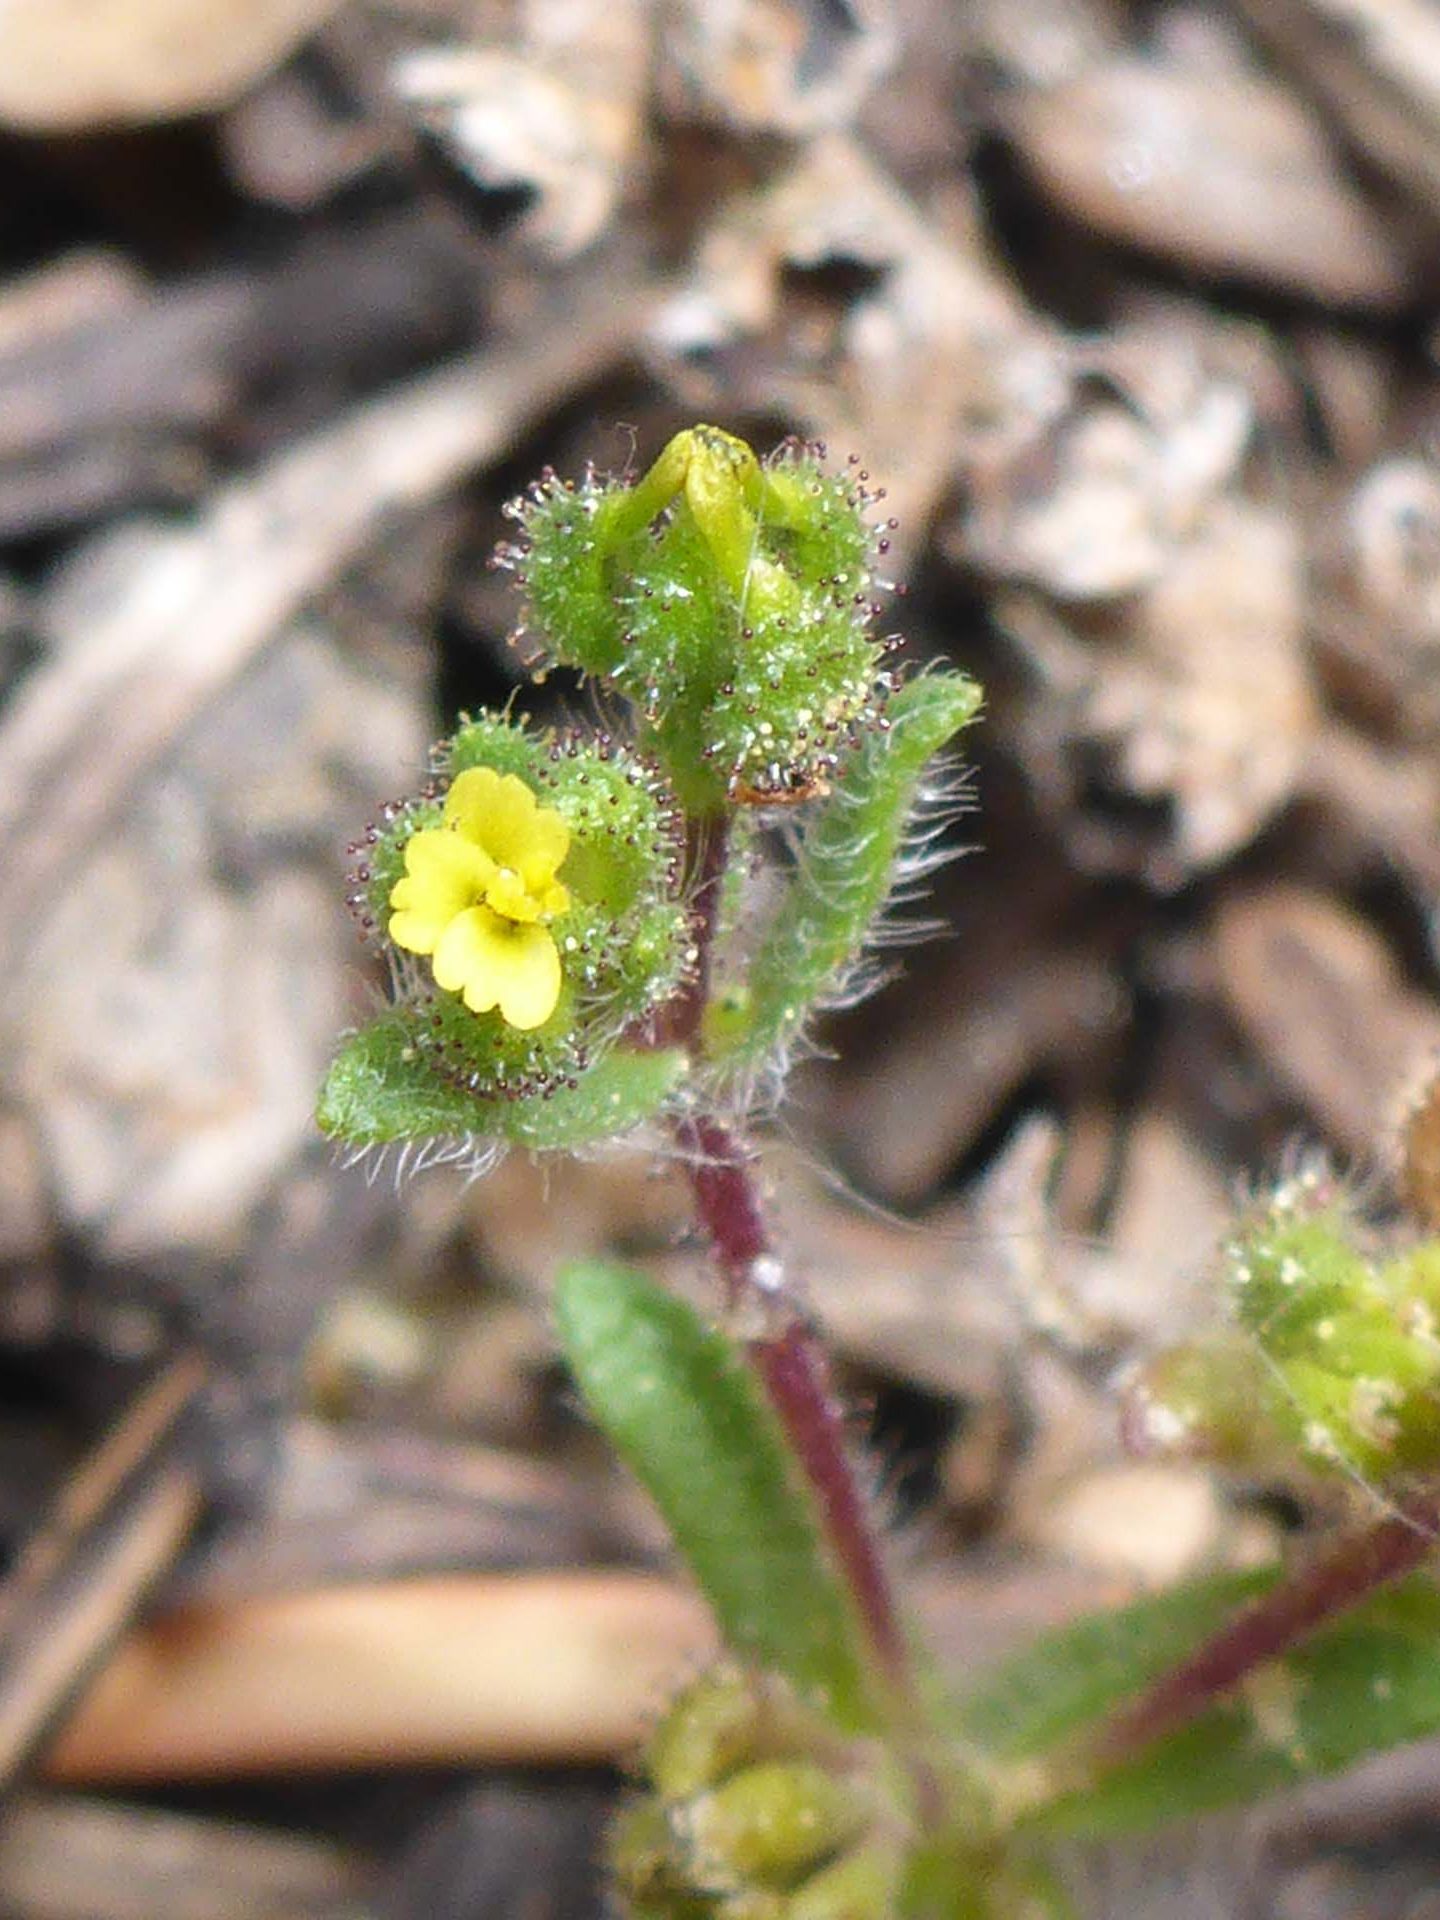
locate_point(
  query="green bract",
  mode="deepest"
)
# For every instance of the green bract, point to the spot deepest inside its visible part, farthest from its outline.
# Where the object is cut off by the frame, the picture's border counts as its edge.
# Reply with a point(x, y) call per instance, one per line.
point(843, 873)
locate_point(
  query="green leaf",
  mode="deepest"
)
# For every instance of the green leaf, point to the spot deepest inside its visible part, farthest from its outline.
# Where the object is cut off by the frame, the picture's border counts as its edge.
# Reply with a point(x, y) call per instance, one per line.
point(1368, 1683)
point(1217, 1762)
point(382, 1088)
point(1073, 1677)
point(688, 1418)
point(846, 866)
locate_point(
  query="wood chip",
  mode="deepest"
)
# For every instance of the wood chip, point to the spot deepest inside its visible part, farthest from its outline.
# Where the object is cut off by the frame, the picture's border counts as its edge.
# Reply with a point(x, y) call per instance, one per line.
point(80, 64)
point(523, 1669)
point(1329, 1009)
point(1226, 174)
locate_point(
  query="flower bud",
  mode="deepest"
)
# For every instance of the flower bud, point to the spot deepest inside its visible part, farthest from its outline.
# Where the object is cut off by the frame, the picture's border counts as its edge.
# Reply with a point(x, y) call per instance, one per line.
point(759, 1810)
point(730, 602)
point(1334, 1360)
point(770, 1825)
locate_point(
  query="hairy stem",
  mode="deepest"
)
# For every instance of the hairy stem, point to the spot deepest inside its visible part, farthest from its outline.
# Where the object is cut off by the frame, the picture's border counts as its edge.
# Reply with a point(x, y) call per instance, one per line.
point(788, 1359)
point(1279, 1620)
point(791, 1366)
point(707, 844)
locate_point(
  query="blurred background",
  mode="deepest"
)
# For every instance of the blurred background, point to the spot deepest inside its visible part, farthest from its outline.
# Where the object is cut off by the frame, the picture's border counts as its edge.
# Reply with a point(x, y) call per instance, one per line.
point(1131, 309)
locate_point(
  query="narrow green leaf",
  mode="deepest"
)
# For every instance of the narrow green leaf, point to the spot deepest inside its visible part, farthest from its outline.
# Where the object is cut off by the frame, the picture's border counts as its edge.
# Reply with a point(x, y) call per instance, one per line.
point(381, 1088)
point(1217, 1762)
point(1075, 1676)
point(1370, 1682)
point(845, 868)
point(689, 1420)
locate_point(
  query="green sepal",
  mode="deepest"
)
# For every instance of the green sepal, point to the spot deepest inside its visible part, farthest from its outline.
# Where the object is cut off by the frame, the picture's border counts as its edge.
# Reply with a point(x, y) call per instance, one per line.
point(571, 534)
point(382, 1087)
point(687, 1417)
point(863, 1885)
point(1293, 1267)
point(844, 871)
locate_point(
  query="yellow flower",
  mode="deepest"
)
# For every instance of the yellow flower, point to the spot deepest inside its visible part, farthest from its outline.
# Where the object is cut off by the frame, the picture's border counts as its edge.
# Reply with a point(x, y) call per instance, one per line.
point(477, 891)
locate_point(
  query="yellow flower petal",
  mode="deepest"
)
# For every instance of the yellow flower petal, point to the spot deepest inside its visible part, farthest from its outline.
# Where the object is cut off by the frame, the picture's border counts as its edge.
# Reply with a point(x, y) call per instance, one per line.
point(531, 988)
point(495, 810)
point(501, 814)
point(444, 874)
point(547, 846)
point(494, 962)
point(471, 796)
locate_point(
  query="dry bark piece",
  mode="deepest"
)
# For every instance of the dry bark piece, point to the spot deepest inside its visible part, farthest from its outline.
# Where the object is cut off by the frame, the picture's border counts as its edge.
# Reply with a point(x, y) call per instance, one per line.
point(1154, 1522)
point(795, 67)
point(1327, 1007)
point(1057, 1005)
point(555, 114)
point(525, 1668)
point(289, 147)
point(1092, 503)
point(67, 1858)
point(1352, 381)
point(429, 1507)
point(1045, 41)
point(181, 996)
point(1378, 611)
point(73, 290)
point(74, 65)
point(117, 1526)
point(1420, 1153)
point(1378, 806)
point(1376, 66)
point(111, 391)
point(831, 298)
point(1220, 173)
point(526, 1222)
point(1165, 743)
point(27, 1231)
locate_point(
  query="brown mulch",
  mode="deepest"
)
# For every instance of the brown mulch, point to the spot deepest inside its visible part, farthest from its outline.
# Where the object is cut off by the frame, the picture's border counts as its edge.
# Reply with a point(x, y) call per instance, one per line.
point(1131, 308)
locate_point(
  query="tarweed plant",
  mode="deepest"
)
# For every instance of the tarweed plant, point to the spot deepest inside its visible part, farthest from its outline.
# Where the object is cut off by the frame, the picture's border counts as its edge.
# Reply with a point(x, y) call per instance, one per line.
point(581, 954)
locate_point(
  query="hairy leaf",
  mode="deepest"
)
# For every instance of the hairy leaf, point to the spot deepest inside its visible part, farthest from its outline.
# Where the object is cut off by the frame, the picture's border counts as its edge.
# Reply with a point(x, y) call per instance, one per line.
point(1073, 1677)
point(382, 1087)
point(846, 867)
point(688, 1418)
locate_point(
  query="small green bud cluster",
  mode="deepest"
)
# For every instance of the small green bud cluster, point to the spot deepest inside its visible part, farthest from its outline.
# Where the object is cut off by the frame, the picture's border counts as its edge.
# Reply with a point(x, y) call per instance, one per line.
point(1332, 1354)
point(759, 1810)
point(730, 602)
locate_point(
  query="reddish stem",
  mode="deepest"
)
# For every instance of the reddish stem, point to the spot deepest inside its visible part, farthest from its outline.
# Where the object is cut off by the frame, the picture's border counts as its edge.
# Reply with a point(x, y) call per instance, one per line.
point(1276, 1622)
point(789, 1362)
point(707, 843)
point(792, 1367)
